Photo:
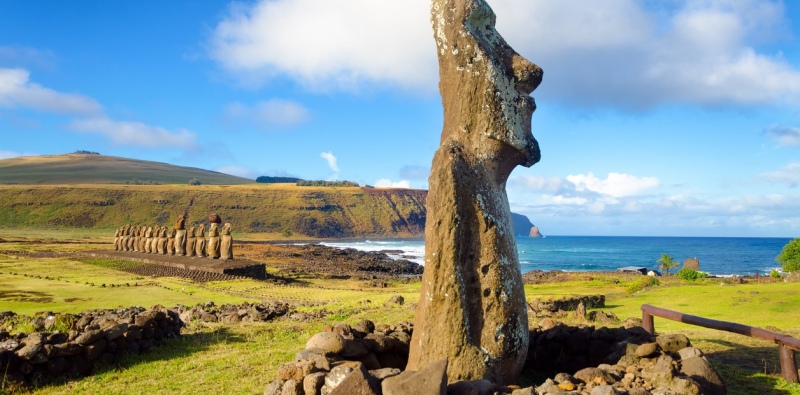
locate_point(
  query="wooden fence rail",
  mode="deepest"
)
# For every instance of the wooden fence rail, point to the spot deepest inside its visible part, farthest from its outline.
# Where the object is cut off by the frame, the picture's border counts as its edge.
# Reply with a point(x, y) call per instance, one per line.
point(787, 345)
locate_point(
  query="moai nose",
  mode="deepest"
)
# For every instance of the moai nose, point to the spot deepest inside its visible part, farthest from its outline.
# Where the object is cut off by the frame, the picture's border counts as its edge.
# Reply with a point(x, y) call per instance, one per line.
point(526, 74)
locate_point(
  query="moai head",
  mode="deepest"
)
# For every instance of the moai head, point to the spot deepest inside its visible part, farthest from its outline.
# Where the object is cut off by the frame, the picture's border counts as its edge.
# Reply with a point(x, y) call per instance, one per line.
point(214, 219)
point(181, 222)
point(226, 229)
point(485, 86)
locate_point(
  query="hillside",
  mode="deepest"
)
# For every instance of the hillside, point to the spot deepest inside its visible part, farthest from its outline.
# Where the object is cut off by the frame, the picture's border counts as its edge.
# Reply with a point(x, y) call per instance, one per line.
point(322, 212)
point(102, 169)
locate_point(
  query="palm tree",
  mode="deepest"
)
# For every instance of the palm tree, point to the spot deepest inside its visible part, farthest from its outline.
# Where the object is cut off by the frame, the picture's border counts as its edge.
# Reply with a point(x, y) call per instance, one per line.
point(667, 263)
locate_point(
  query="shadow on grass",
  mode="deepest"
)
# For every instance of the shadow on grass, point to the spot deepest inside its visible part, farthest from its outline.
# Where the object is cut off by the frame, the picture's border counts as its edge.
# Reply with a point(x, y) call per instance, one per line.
point(750, 370)
point(186, 345)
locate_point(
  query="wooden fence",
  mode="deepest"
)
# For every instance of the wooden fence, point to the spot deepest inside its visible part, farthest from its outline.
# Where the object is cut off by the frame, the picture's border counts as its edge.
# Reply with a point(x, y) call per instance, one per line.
point(787, 345)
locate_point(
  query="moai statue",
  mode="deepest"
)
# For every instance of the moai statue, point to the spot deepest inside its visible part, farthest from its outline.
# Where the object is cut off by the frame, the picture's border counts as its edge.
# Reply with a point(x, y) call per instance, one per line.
point(135, 237)
point(154, 242)
point(142, 238)
point(116, 239)
point(200, 241)
point(148, 240)
point(226, 243)
point(472, 308)
point(180, 236)
point(171, 241)
point(126, 234)
point(190, 241)
point(162, 240)
point(213, 236)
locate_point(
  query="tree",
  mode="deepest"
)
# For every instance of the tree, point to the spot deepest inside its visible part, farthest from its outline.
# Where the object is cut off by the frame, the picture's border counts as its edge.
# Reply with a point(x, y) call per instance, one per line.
point(789, 258)
point(667, 263)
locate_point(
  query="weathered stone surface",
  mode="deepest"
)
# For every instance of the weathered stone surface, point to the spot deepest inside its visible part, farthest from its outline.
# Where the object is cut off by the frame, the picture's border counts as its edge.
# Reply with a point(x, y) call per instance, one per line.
point(328, 341)
point(275, 387)
point(213, 241)
point(673, 343)
point(357, 383)
point(473, 387)
point(292, 387)
point(312, 384)
point(646, 350)
point(190, 241)
point(200, 241)
point(699, 370)
point(472, 307)
point(593, 375)
point(432, 380)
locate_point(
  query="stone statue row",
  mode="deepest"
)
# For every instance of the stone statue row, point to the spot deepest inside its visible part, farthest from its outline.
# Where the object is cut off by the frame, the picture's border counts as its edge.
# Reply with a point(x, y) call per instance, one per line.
point(178, 240)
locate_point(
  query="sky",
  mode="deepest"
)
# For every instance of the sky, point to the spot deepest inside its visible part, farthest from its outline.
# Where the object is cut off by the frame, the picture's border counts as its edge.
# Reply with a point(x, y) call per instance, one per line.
point(654, 118)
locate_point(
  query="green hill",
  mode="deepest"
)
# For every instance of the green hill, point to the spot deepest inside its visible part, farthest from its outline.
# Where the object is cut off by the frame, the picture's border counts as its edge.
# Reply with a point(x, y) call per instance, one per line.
point(323, 212)
point(102, 169)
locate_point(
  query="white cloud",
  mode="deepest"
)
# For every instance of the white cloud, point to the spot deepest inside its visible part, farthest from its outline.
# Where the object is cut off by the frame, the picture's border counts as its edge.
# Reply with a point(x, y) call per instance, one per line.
point(135, 133)
point(387, 183)
point(784, 135)
point(616, 184)
point(328, 44)
point(540, 184)
point(789, 175)
point(239, 171)
point(268, 114)
point(622, 54)
point(16, 91)
point(328, 156)
point(9, 154)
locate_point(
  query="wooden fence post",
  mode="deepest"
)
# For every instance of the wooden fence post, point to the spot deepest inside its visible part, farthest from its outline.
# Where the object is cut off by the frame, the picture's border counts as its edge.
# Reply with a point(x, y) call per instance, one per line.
point(788, 363)
point(647, 322)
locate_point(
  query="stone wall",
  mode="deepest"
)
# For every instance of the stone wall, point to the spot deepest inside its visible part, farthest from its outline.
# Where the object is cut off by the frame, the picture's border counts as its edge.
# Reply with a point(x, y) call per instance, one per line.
point(92, 336)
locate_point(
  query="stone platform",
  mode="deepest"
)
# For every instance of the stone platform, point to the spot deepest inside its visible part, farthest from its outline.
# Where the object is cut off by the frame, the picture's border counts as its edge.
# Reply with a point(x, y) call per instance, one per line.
point(237, 267)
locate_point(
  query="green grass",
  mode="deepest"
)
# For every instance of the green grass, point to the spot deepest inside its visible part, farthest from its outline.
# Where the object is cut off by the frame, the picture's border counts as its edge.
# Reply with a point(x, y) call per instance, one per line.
point(243, 358)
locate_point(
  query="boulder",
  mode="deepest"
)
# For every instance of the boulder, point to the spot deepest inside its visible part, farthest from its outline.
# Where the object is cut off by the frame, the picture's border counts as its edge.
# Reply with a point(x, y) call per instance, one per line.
point(328, 341)
point(432, 380)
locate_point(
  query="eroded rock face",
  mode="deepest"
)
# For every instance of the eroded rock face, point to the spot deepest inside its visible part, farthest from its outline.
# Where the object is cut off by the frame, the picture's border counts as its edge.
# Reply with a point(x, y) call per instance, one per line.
point(472, 308)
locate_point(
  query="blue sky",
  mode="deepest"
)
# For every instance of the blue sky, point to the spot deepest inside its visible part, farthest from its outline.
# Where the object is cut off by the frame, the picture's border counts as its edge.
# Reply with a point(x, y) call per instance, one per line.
point(654, 118)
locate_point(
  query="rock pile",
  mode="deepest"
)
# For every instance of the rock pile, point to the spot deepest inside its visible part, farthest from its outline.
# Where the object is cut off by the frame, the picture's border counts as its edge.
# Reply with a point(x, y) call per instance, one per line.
point(369, 359)
point(549, 307)
point(346, 359)
point(94, 335)
point(230, 313)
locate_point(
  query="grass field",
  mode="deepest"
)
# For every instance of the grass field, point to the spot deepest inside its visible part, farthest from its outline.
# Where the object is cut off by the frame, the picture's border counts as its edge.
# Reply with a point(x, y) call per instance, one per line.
point(243, 358)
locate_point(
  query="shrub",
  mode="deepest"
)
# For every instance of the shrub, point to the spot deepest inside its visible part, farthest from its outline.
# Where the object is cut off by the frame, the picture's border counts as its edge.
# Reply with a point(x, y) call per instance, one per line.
point(642, 283)
point(271, 180)
point(195, 181)
point(775, 273)
point(320, 183)
point(789, 258)
point(690, 274)
point(287, 233)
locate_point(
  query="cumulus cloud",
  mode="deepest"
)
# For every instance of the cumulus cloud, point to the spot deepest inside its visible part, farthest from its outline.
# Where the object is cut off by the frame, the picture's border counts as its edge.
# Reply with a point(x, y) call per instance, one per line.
point(327, 44)
point(331, 159)
point(784, 135)
point(240, 171)
point(269, 114)
point(626, 54)
point(135, 133)
point(789, 175)
point(20, 56)
point(17, 91)
point(616, 184)
point(387, 183)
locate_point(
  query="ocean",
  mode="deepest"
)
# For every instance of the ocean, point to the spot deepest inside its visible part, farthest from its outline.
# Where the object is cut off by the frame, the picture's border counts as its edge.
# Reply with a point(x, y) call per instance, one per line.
point(720, 256)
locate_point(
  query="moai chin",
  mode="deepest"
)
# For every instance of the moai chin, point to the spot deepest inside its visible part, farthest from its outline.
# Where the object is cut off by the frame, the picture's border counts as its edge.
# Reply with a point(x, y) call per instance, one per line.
point(472, 307)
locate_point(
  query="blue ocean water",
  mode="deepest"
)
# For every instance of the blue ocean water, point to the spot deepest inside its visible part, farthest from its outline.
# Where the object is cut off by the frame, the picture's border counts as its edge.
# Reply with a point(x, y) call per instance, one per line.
point(721, 256)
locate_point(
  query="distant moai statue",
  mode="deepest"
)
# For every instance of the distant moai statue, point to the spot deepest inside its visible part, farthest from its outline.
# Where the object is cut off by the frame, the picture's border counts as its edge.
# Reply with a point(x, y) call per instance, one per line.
point(171, 241)
point(116, 239)
point(148, 240)
point(200, 241)
point(126, 234)
point(472, 308)
point(142, 238)
point(180, 236)
point(136, 237)
point(162, 240)
point(213, 236)
point(131, 238)
point(190, 241)
point(226, 243)
point(692, 263)
point(154, 242)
